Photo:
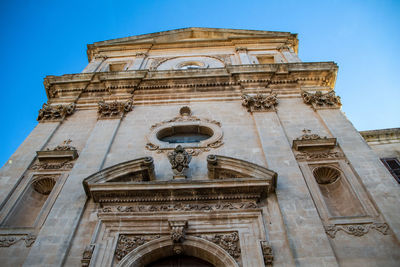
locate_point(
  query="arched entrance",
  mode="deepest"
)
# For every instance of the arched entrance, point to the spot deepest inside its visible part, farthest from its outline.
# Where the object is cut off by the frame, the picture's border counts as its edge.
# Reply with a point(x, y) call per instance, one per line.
point(193, 247)
point(180, 261)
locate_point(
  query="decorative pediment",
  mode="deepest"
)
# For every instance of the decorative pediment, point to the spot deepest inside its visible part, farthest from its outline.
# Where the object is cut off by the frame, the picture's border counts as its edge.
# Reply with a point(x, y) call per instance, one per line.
point(115, 184)
point(221, 167)
point(141, 169)
point(313, 141)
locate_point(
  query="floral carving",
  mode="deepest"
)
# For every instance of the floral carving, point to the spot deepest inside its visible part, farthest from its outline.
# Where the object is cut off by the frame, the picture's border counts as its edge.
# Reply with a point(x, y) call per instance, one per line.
point(229, 242)
point(178, 230)
point(64, 165)
point(319, 155)
point(87, 255)
point(179, 160)
point(55, 112)
point(8, 241)
point(357, 229)
point(182, 207)
point(321, 100)
point(127, 243)
point(114, 109)
point(65, 146)
point(267, 253)
point(259, 102)
point(307, 135)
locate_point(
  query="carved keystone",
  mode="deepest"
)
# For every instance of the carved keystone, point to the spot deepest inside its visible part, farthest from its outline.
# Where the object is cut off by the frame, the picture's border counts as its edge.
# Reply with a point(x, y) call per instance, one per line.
point(178, 231)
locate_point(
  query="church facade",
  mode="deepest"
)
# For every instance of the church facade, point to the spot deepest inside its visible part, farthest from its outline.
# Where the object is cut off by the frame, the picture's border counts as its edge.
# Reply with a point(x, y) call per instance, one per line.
point(198, 147)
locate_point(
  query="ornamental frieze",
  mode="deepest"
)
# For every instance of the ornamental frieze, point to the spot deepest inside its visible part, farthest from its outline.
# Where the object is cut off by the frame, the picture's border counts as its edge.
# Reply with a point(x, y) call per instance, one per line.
point(63, 165)
point(209, 207)
point(310, 156)
point(319, 100)
point(260, 102)
point(113, 110)
point(55, 112)
point(357, 229)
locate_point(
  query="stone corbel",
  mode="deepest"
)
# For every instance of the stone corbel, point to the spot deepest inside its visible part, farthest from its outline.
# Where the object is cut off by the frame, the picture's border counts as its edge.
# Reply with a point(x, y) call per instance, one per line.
point(319, 100)
point(260, 102)
point(87, 255)
point(178, 232)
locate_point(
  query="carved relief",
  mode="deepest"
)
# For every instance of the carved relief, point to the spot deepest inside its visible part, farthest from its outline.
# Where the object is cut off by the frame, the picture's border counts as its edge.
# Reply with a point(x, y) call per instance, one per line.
point(178, 230)
point(307, 135)
point(267, 253)
point(179, 160)
point(65, 146)
point(310, 156)
point(321, 100)
point(8, 241)
point(57, 158)
point(44, 185)
point(64, 165)
point(260, 102)
point(357, 229)
point(228, 241)
point(55, 112)
point(181, 207)
point(114, 109)
point(87, 255)
point(127, 243)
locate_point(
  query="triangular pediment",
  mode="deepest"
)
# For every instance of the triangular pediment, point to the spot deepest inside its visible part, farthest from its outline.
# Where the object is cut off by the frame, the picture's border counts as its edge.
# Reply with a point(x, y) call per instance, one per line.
point(191, 34)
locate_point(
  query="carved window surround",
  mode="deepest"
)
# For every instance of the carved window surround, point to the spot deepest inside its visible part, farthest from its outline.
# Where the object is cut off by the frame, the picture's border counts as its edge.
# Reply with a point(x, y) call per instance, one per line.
point(321, 159)
point(185, 120)
point(320, 100)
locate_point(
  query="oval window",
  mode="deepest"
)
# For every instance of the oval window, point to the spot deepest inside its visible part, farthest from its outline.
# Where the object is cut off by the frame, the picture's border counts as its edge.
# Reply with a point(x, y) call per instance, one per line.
point(185, 134)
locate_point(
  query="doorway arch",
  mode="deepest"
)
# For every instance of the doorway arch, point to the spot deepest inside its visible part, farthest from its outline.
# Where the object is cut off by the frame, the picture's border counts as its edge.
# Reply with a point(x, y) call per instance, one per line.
point(192, 246)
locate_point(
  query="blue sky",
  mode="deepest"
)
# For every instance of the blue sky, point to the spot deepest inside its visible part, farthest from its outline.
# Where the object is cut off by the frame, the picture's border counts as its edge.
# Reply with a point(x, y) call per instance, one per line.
point(40, 38)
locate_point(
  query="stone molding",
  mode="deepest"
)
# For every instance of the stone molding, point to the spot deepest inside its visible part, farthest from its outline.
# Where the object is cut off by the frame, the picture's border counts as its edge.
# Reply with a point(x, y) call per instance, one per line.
point(267, 253)
point(320, 100)
point(9, 240)
point(312, 141)
point(127, 243)
point(382, 136)
point(358, 229)
point(259, 102)
point(113, 110)
point(55, 112)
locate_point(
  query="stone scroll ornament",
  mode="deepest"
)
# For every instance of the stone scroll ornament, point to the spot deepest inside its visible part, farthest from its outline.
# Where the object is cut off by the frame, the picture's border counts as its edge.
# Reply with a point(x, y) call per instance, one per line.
point(321, 100)
point(259, 102)
point(179, 160)
point(55, 112)
point(114, 109)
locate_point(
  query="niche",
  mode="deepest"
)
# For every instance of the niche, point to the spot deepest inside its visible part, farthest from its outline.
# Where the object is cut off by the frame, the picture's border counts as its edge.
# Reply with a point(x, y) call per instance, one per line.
point(26, 211)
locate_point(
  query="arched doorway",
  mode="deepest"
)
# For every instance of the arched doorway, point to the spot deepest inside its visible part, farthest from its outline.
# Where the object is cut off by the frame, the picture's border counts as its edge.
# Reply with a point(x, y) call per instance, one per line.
point(180, 261)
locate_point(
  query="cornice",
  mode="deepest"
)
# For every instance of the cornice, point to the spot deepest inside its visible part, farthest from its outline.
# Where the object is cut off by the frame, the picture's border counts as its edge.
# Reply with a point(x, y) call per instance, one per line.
point(229, 79)
point(382, 135)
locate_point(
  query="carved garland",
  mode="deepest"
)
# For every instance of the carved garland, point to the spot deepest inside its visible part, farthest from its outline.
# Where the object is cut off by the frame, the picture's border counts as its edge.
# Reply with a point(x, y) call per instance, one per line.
point(127, 243)
point(320, 100)
point(260, 102)
point(114, 109)
point(228, 241)
point(55, 112)
point(357, 229)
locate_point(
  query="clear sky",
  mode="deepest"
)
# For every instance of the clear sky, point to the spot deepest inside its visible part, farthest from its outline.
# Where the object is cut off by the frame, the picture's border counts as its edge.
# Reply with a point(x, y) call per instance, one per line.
point(40, 38)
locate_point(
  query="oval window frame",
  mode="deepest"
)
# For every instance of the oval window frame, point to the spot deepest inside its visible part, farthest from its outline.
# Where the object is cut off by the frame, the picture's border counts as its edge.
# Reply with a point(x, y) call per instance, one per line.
point(214, 141)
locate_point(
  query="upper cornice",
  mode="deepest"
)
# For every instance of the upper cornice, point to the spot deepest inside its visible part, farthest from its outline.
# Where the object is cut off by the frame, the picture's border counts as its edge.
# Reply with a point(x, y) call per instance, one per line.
point(171, 83)
point(194, 37)
point(381, 135)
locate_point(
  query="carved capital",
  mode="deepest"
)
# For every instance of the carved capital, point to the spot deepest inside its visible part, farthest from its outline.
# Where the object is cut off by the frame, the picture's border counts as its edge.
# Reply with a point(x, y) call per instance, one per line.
point(320, 100)
point(267, 253)
point(259, 102)
point(178, 230)
point(113, 110)
point(55, 112)
point(241, 49)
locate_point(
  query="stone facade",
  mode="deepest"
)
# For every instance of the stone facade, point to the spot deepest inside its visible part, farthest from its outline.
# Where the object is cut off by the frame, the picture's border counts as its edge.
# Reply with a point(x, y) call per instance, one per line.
point(215, 144)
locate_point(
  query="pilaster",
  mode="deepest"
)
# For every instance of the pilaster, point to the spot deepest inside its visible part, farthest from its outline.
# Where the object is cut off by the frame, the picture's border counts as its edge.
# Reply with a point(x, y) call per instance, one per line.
point(53, 242)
